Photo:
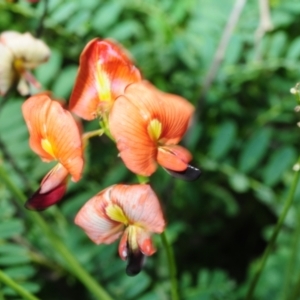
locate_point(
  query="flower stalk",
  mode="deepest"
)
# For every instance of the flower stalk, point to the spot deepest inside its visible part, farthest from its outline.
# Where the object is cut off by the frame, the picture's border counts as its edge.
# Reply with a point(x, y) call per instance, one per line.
point(169, 253)
point(172, 266)
point(16, 287)
point(105, 127)
point(287, 205)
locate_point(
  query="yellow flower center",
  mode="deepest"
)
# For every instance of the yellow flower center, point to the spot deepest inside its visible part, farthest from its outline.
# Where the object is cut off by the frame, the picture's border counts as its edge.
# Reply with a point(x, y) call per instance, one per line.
point(116, 213)
point(103, 82)
point(155, 129)
point(132, 237)
point(19, 65)
point(46, 145)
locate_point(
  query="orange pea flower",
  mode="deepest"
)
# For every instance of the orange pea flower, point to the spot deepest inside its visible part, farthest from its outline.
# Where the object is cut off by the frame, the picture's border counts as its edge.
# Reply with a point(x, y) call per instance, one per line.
point(20, 53)
point(131, 212)
point(54, 135)
point(147, 124)
point(104, 72)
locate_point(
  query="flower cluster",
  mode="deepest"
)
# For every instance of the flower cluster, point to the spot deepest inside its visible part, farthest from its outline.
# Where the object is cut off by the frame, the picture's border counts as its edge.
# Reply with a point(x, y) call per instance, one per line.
point(145, 123)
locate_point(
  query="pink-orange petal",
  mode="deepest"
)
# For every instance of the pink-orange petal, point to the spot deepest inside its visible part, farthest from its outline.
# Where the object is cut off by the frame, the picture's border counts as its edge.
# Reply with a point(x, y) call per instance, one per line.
point(141, 206)
point(35, 111)
point(146, 98)
point(63, 134)
point(174, 157)
point(55, 177)
point(47, 120)
point(105, 60)
point(145, 243)
point(29, 77)
point(129, 120)
point(172, 111)
point(129, 128)
point(123, 247)
point(94, 221)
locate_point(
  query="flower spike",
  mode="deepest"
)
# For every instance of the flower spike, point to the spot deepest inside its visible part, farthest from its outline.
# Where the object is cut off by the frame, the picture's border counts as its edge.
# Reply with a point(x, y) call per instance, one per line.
point(54, 135)
point(104, 72)
point(131, 212)
point(147, 124)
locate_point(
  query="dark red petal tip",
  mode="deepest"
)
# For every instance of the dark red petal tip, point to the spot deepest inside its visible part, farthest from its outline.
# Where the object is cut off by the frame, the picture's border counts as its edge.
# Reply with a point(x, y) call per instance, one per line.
point(189, 174)
point(39, 202)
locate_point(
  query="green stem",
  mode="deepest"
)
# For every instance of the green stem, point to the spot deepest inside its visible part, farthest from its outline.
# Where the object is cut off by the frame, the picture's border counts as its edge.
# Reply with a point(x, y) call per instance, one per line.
point(105, 126)
point(290, 270)
point(1, 294)
point(73, 265)
point(142, 179)
point(169, 252)
point(296, 291)
point(172, 266)
point(87, 135)
point(16, 287)
point(287, 205)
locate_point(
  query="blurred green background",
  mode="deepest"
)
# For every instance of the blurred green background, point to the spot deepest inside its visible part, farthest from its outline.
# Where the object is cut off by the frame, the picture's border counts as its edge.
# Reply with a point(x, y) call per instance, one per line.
point(244, 138)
